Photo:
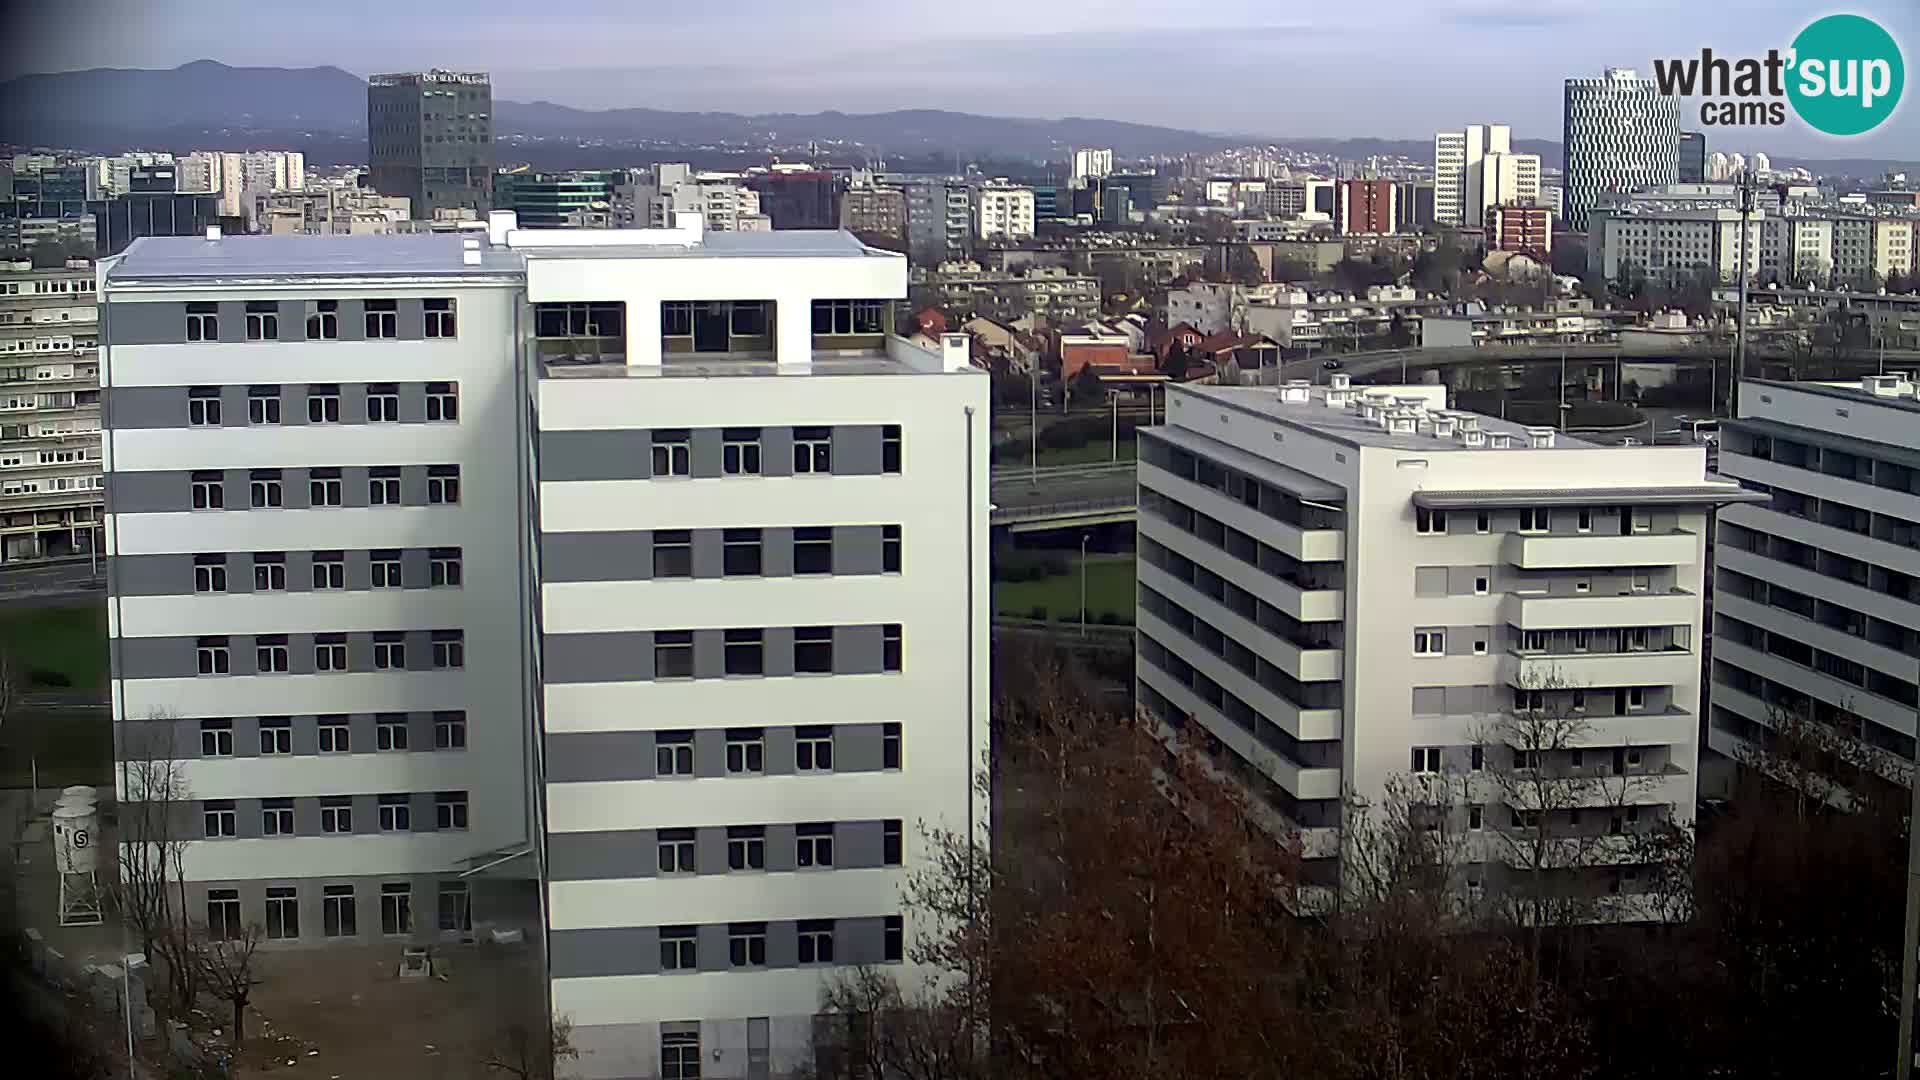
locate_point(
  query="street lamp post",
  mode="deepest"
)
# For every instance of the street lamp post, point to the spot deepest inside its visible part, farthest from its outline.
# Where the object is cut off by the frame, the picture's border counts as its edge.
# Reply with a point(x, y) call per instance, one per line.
point(1084, 537)
point(1114, 396)
point(1033, 420)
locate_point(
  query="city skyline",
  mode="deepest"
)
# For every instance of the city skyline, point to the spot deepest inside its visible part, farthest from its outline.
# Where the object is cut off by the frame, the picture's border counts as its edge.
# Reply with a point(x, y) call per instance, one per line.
point(1489, 59)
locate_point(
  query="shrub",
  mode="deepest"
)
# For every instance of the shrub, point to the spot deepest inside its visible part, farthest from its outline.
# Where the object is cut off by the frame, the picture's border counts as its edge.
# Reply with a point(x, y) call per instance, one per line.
point(48, 677)
point(1038, 613)
point(1108, 618)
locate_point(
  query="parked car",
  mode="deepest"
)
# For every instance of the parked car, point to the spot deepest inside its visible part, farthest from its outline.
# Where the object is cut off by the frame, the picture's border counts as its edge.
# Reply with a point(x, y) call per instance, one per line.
point(1330, 365)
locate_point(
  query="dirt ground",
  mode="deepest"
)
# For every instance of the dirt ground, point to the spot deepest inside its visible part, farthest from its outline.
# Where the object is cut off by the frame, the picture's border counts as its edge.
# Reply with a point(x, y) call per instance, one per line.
point(344, 1014)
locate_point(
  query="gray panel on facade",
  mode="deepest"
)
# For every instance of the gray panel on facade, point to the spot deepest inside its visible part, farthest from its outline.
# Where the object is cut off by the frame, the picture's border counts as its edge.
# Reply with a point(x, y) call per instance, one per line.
point(857, 747)
point(783, 945)
point(246, 819)
point(709, 654)
point(1429, 581)
point(132, 407)
point(780, 847)
point(155, 575)
point(601, 856)
point(170, 657)
point(711, 950)
point(419, 651)
point(360, 734)
point(856, 549)
point(306, 817)
point(857, 650)
point(1429, 700)
point(710, 850)
point(359, 568)
point(1461, 639)
point(709, 751)
point(416, 571)
point(584, 756)
point(233, 320)
point(413, 319)
point(776, 553)
point(233, 405)
point(777, 650)
point(859, 940)
point(605, 657)
point(413, 484)
point(779, 751)
point(306, 729)
point(856, 450)
point(859, 845)
point(709, 551)
point(422, 805)
point(154, 492)
point(246, 736)
point(590, 953)
point(1465, 700)
point(596, 455)
point(293, 320)
point(360, 652)
point(353, 322)
point(413, 403)
point(236, 492)
point(704, 451)
point(145, 323)
point(776, 451)
point(596, 556)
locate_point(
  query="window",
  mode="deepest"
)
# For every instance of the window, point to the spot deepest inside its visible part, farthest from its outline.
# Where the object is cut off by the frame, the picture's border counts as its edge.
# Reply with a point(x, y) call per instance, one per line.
point(812, 450)
point(1482, 522)
point(450, 810)
point(443, 402)
point(814, 845)
point(329, 570)
point(1532, 641)
point(450, 730)
point(675, 851)
point(680, 1051)
point(1529, 700)
point(209, 573)
point(269, 571)
point(263, 405)
point(323, 487)
point(389, 651)
point(443, 568)
point(217, 818)
point(740, 553)
point(813, 550)
point(1635, 639)
point(1426, 759)
point(894, 939)
point(672, 553)
point(383, 403)
point(203, 322)
point(847, 316)
point(1478, 759)
point(813, 749)
point(276, 817)
point(212, 657)
point(890, 746)
point(223, 914)
point(449, 649)
point(209, 492)
point(740, 451)
point(1583, 586)
point(673, 654)
point(330, 652)
point(383, 485)
point(746, 847)
point(323, 404)
point(677, 948)
point(323, 323)
point(890, 448)
point(673, 753)
point(1428, 521)
point(1535, 519)
point(747, 318)
point(892, 842)
point(1429, 642)
point(816, 941)
point(440, 322)
point(672, 452)
point(216, 738)
point(383, 319)
point(747, 944)
point(443, 485)
point(1584, 522)
point(1481, 585)
point(1641, 583)
point(337, 915)
point(1476, 817)
point(276, 735)
point(813, 650)
point(263, 320)
point(263, 489)
point(889, 549)
point(203, 406)
point(745, 653)
point(396, 813)
point(746, 751)
point(1636, 699)
point(334, 735)
point(396, 907)
point(455, 907)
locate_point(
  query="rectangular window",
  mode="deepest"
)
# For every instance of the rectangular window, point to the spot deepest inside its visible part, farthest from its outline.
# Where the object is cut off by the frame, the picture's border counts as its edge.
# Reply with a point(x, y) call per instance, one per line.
point(812, 450)
point(203, 322)
point(263, 405)
point(746, 847)
point(1476, 817)
point(443, 568)
point(813, 749)
point(740, 451)
point(209, 491)
point(816, 941)
point(440, 322)
point(269, 571)
point(894, 939)
point(329, 570)
point(1481, 586)
point(1535, 519)
point(449, 730)
point(203, 406)
point(396, 907)
point(746, 751)
point(323, 404)
point(276, 735)
point(263, 489)
point(390, 731)
point(1585, 520)
point(1429, 522)
point(745, 653)
point(890, 746)
point(383, 485)
point(223, 914)
point(672, 553)
point(455, 908)
point(323, 323)
point(389, 651)
point(673, 654)
point(813, 550)
point(1636, 699)
point(276, 817)
point(263, 320)
point(747, 318)
point(677, 948)
point(335, 737)
point(383, 403)
point(1482, 522)
point(672, 452)
point(680, 1049)
point(217, 818)
point(449, 649)
point(1426, 759)
point(1429, 642)
point(443, 402)
point(741, 553)
point(890, 447)
point(443, 485)
point(676, 851)
point(1478, 760)
point(673, 753)
point(323, 487)
point(212, 656)
point(216, 738)
point(892, 842)
point(1533, 641)
point(330, 652)
point(396, 813)
point(337, 915)
point(383, 319)
point(1529, 700)
point(747, 944)
point(1635, 639)
point(889, 549)
point(450, 810)
point(891, 647)
point(813, 650)
point(847, 316)
point(209, 573)
point(814, 845)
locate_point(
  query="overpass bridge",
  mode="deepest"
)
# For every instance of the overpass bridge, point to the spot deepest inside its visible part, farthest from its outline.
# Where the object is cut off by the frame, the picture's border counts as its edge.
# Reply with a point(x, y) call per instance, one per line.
point(1063, 496)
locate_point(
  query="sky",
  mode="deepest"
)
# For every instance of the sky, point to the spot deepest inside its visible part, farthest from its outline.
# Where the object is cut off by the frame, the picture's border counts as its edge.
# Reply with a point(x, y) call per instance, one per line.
point(1386, 69)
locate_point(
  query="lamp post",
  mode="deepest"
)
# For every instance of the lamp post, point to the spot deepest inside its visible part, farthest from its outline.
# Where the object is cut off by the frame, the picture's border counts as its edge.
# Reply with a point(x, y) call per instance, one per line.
point(1084, 537)
point(1114, 396)
point(1033, 420)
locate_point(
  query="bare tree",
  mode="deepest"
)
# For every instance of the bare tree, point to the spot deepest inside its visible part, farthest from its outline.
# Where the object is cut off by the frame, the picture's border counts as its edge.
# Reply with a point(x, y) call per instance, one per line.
point(869, 1029)
point(227, 964)
point(12, 686)
point(1405, 856)
point(1821, 765)
point(524, 1052)
point(149, 885)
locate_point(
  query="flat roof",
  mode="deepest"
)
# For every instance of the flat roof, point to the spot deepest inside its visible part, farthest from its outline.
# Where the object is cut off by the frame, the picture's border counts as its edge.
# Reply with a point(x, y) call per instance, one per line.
point(786, 244)
point(1290, 480)
point(1850, 392)
point(673, 367)
point(1348, 426)
point(187, 258)
point(1677, 494)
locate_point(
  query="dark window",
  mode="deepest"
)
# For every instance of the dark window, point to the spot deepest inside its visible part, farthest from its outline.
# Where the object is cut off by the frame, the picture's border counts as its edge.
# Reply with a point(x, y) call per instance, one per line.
point(748, 318)
point(383, 403)
point(450, 810)
point(443, 567)
point(812, 450)
point(383, 318)
point(383, 485)
point(329, 570)
point(813, 749)
point(443, 484)
point(741, 553)
point(323, 487)
point(323, 323)
point(672, 452)
point(216, 738)
point(335, 735)
point(337, 915)
point(203, 406)
point(813, 846)
point(323, 404)
point(745, 652)
point(847, 316)
point(746, 847)
point(673, 654)
point(384, 566)
point(263, 320)
point(740, 451)
point(890, 549)
point(892, 842)
point(449, 730)
point(390, 731)
point(890, 746)
point(203, 322)
point(677, 948)
point(330, 652)
point(440, 318)
point(816, 941)
point(673, 753)
point(813, 550)
point(672, 553)
point(209, 491)
point(263, 489)
point(890, 448)
point(894, 946)
point(449, 649)
point(263, 404)
point(890, 647)
point(747, 944)
point(813, 650)
point(443, 401)
point(213, 656)
point(390, 651)
point(209, 573)
point(675, 851)
point(746, 750)
point(269, 571)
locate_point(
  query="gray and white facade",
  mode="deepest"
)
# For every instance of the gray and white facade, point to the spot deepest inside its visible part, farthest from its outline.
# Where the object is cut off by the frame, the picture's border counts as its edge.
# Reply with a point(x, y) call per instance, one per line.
point(1621, 133)
point(50, 472)
point(690, 545)
point(1816, 601)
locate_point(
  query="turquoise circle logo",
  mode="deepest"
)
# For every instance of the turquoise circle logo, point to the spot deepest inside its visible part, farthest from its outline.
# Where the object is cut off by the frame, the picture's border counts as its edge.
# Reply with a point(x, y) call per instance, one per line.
point(1847, 75)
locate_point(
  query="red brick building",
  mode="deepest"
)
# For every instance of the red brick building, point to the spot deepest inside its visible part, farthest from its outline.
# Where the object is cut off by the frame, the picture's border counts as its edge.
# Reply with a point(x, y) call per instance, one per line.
point(1526, 229)
point(1366, 207)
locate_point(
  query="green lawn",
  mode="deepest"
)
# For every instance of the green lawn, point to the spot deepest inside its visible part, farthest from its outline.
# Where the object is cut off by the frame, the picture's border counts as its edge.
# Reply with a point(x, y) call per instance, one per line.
point(71, 746)
point(1091, 454)
point(70, 641)
point(1109, 590)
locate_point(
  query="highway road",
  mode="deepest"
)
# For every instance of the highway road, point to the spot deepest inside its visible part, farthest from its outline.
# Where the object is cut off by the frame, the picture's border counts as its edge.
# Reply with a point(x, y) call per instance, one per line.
point(48, 584)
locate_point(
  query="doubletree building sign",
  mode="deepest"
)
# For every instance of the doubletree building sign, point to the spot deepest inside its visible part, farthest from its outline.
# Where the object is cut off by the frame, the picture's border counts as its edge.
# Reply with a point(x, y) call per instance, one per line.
point(462, 78)
point(1843, 76)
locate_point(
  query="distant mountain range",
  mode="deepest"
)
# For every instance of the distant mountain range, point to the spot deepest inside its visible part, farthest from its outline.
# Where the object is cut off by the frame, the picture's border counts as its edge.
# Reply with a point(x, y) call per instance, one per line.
point(323, 111)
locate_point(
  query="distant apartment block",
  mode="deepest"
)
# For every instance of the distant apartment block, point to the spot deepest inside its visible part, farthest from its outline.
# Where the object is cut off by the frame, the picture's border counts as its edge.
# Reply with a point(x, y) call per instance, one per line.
point(1367, 207)
point(1003, 212)
point(881, 211)
point(1050, 292)
point(430, 140)
point(50, 466)
point(1091, 163)
point(1476, 168)
point(1525, 229)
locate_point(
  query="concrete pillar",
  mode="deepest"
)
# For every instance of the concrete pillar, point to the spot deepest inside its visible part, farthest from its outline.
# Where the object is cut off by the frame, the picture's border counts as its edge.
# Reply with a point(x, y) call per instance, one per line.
point(643, 332)
point(793, 330)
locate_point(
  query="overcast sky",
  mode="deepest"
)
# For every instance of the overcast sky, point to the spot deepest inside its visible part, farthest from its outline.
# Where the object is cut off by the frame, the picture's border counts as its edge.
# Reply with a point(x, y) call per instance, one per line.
point(1389, 68)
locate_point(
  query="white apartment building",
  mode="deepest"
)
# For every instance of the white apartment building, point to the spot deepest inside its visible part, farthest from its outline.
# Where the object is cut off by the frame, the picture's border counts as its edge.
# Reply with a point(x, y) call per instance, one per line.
point(1090, 163)
point(1003, 211)
point(1621, 133)
point(1672, 245)
point(1341, 588)
point(723, 201)
point(1816, 601)
point(50, 471)
point(1795, 249)
point(1893, 247)
point(1853, 251)
point(626, 586)
point(1476, 168)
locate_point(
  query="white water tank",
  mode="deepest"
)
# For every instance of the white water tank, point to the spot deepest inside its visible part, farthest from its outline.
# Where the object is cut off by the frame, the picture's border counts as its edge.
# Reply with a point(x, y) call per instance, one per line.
point(79, 792)
point(76, 839)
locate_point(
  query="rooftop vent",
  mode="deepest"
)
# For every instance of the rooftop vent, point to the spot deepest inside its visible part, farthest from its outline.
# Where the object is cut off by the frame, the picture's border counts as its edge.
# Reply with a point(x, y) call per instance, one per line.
point(1540, 438)
point(1339, 380)
point(1499, 440)
point(1443, 427)
point(1295, 391)
point(1469, 422)
point(1413, 403)
point(1403, 423)
point(1338, 399)
point(213, 232)
point(1877, 385)
point(1472, 437)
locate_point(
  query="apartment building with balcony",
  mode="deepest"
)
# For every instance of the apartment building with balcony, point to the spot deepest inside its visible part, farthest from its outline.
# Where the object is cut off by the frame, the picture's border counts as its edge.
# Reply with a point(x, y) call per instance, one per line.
point(1816, 597)
point(50, 470)
point(623, 586)
point(1340, 587)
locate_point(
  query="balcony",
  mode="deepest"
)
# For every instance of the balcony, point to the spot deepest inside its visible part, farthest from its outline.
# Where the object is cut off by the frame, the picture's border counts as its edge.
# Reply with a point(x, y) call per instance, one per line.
point(1662, 667)
point(1308, 662)
point(1589, 612)
point(1303, 544)
point(1677, 548)
point(1302, 782)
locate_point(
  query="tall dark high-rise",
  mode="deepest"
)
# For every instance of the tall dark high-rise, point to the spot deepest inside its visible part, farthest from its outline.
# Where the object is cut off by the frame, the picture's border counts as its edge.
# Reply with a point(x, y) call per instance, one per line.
point(1693, 157)
point(430, 138)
